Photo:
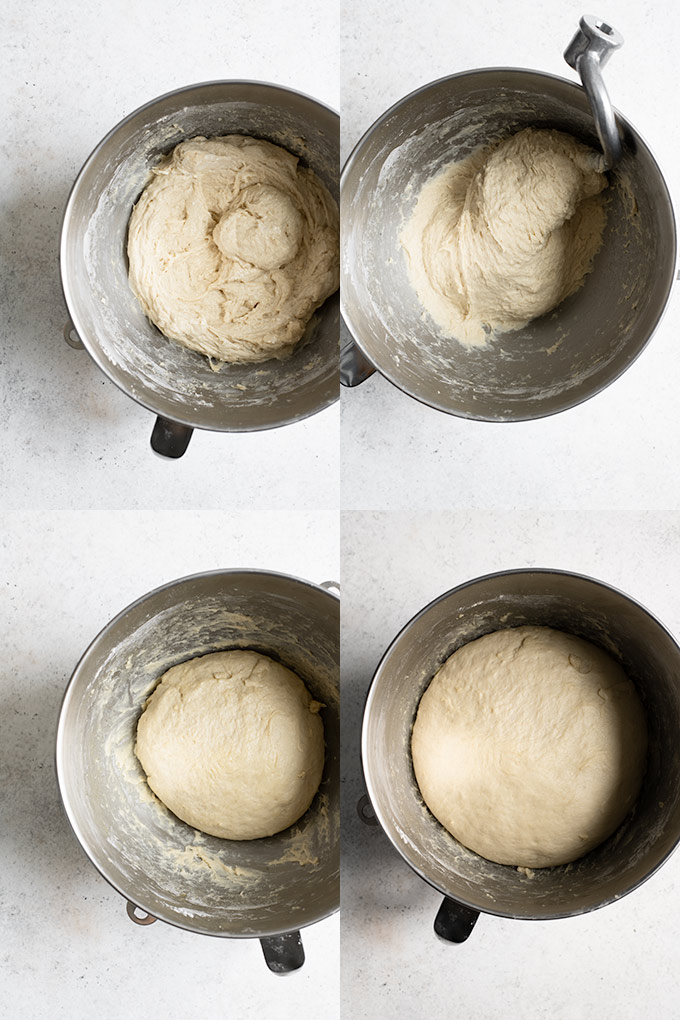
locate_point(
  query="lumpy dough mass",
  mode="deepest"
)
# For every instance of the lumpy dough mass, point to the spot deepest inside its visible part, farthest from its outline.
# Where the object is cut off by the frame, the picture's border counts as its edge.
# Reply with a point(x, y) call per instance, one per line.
point(529, 746)
point(232, 743)
point(232, 247)
point(503, 236)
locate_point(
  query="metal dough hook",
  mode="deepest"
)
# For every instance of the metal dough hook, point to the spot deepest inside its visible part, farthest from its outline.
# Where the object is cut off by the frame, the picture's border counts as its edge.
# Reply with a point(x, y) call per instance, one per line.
point(587, 53)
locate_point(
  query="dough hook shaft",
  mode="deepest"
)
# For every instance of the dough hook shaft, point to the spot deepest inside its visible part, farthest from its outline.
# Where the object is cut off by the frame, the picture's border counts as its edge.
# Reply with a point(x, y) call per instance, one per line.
point(587, 53)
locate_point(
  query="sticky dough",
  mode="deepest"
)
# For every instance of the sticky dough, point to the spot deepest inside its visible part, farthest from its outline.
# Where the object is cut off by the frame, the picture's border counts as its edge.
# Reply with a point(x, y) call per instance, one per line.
point(232, 743)
point(232, 247)
point(529, 746)
point(506, 234)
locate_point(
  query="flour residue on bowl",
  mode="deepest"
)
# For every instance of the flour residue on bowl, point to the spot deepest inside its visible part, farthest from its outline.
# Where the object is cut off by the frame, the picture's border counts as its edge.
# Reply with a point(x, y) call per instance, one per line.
point(218, 886)
point(162, 375)
point(558, 359)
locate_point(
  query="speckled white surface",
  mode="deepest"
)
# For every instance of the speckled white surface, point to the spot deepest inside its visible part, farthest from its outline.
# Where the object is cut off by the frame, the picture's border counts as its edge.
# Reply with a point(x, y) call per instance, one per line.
point(618, 962)
point(91, 519)
point(617, 446)
point(69, 948)
point(430, 501)
point(72, 71)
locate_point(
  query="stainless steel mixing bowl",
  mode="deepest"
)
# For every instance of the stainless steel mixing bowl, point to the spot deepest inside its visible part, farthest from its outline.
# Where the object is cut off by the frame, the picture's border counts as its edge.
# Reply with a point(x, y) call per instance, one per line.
point(556, 361)
point(175, 383)
point(549, 598)
point(264, 888)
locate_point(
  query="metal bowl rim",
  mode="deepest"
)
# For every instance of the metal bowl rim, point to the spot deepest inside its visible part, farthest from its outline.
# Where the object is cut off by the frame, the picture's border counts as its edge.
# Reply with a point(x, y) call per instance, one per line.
point(101, 362)
point(370, 695)
point(59, 743)
point(387, 372)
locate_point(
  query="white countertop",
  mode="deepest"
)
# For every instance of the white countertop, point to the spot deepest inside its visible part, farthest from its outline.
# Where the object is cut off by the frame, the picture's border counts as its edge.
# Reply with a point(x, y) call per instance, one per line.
point(69, 949)
point(618, 962)
point(430, 501)
point(91, 519)
point(74, 71)
point(618, 445)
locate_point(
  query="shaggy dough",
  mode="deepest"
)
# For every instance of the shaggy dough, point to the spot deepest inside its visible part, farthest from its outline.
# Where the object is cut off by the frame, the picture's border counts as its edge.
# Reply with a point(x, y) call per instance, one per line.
point(232, 247)
point(232, 743)
point(506, 234)
point(529, 746)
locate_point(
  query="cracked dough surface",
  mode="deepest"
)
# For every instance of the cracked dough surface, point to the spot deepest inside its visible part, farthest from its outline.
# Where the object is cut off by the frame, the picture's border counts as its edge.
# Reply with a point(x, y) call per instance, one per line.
point(232, 247)
point(232, 743)
point(529, 746)
point(503, 236)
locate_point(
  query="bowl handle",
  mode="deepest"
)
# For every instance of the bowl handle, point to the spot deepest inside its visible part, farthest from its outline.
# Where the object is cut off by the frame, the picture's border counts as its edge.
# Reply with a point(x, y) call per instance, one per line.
point(169, 438)
point(139, 918)
point(72, 338)
point(454, 922)
point(355, 367)
point(283, 953)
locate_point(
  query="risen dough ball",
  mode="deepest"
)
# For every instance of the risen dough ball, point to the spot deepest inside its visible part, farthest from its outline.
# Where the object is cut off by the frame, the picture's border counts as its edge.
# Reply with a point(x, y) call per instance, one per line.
point(529, 746)
point(506, 234)
point(232, 743)
point(232, 247)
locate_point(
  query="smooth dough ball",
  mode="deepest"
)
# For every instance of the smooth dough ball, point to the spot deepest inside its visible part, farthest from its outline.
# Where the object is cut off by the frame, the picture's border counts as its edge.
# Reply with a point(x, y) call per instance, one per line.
point(506, 234)
point(529, 746)
point(232, 743)
point(232, 248)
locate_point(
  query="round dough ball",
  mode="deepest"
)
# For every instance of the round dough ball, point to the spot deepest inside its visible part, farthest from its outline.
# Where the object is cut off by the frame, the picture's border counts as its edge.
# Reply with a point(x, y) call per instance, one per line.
point(529, 746)
point(232, 743)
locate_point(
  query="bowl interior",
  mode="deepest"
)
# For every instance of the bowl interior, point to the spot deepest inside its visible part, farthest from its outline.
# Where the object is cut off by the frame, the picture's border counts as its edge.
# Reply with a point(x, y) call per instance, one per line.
point(566, 602)
point(554, 362)
point(159, 373)
point(197, 881)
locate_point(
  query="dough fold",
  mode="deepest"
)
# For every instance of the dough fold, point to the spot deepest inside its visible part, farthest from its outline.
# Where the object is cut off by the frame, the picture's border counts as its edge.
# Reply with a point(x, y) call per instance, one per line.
point(506, 234)
point(232, 743)
point(232, 247)
point(529, 746)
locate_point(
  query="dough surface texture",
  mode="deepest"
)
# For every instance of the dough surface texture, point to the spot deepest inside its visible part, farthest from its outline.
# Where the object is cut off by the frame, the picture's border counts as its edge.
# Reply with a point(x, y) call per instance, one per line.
point(506, 234)
point(232, 247)
point(529, 746)
point(232, 743)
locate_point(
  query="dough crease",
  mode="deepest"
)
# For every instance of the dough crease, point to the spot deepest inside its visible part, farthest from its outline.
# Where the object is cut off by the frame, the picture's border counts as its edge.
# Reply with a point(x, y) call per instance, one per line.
point(232, 247)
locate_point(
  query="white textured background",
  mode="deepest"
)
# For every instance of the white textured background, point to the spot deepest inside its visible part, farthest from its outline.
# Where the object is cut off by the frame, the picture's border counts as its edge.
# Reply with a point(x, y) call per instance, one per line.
point(430, 501)
point(91, 519)
point(620, 445)
point(68, 947)
point(72, 70)
point(617, 963)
